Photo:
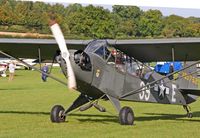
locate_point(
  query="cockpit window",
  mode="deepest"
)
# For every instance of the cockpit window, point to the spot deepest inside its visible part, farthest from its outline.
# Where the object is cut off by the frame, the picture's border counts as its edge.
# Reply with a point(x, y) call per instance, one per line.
point(106, 53)
point(103, 52)
point(83, 60)
point(100, 52)
point(94, 45)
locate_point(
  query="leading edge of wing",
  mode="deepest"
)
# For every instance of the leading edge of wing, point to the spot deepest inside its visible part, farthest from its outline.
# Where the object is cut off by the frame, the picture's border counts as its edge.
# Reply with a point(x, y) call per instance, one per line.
point(43, 41)
point(149, 50)
point(28, 48)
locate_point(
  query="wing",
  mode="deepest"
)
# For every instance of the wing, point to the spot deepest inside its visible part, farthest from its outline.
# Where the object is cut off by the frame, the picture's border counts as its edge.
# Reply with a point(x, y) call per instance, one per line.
point(145, 50)
point(149, 50)
point(28, 48)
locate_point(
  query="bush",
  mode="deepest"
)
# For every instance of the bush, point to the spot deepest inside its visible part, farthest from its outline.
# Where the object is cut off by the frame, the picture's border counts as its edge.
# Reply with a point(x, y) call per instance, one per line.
point(17, 28)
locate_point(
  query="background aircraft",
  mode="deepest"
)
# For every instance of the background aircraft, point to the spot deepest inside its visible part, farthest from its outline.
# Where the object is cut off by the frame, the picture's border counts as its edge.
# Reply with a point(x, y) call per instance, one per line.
point(19, 65)
point(3, 68)
point(97, 73)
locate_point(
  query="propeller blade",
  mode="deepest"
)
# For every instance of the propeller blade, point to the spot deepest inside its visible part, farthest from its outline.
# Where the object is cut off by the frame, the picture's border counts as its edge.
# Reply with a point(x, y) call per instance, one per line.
point(58, 35)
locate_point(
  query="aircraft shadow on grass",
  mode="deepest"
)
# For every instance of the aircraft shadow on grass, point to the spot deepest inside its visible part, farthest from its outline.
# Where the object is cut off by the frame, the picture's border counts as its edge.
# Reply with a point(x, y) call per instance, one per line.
point(104, 119)
point(111, 118)
point(24, 112)
point(160, 116)
point(48, 113)
point(93, 118)
point(13, 89)
point(151, 117)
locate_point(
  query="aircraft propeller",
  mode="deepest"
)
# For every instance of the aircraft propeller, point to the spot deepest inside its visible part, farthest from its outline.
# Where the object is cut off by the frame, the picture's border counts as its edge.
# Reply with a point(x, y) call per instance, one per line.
point(58, 35)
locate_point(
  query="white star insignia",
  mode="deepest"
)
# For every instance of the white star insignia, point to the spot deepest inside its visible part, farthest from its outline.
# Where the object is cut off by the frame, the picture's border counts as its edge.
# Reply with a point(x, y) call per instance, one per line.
point(162, 90)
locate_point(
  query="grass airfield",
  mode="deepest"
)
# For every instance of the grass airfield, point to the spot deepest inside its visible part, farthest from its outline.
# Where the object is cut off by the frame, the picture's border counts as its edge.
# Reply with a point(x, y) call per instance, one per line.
point(25, 105)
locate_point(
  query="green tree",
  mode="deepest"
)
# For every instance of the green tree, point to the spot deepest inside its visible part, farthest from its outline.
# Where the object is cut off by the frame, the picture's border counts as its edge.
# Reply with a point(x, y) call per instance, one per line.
point(175, 26)
point(72, 8)
point(23, 10)
point(192, 30)
point(151, 24)
point(127, 29)
point(94, 22)
point(7, 16)
point(127, 12)
point(129, 17)
point(91, 21)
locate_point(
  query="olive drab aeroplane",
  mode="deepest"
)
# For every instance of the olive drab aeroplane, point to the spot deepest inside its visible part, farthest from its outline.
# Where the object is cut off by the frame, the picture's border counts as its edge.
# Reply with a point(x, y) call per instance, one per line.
point(115, 70)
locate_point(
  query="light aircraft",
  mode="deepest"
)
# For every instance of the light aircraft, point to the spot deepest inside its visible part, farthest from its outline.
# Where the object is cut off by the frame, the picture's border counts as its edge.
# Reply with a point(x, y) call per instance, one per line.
point(3, 68)
point(115, 70)
point(28, 61)
point(19, 65)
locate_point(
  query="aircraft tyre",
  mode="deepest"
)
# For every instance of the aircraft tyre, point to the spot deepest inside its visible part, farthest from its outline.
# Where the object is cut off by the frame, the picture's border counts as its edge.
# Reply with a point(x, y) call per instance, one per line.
point(126, 116)
point(189, 115)
point(56, 114)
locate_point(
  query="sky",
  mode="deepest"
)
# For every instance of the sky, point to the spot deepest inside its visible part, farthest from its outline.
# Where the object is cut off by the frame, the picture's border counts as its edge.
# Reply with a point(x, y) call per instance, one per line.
point(178, 11)
point(185, 8)
point(184, 12)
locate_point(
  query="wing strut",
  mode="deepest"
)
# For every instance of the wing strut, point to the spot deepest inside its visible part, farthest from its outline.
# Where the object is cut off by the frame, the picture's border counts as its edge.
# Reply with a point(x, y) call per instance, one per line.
point(173, 54)
point(39, 55)
point(166, 82)
point(38, 70)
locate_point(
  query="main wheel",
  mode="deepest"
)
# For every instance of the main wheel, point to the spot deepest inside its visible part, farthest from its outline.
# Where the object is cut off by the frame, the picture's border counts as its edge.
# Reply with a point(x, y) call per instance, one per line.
point(126, 116)
point(57, 114)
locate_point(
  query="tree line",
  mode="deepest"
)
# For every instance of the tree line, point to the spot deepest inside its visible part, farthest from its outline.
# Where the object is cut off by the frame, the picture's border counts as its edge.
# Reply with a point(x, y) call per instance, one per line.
point(86, 22)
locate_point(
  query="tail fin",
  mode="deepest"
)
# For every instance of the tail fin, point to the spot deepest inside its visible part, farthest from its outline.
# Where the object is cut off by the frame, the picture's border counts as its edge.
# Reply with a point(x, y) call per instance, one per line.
point(187, 79)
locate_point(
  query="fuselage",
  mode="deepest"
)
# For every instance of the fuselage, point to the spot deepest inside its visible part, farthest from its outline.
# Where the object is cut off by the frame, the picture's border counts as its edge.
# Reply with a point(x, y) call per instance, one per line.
point(101, 69)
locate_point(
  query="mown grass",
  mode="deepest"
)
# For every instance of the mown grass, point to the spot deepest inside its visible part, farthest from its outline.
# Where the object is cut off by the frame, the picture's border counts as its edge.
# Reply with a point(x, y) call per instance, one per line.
point(25, 104)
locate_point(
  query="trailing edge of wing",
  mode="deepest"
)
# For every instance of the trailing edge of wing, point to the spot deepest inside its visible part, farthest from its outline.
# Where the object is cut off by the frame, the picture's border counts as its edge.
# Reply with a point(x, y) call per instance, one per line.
point(28, 48)
point(149, 50)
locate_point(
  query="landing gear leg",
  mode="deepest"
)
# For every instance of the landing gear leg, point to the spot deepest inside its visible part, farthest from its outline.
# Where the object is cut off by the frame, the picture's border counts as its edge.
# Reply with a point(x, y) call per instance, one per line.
point(126, 114)
point(187, 108)
point(58, 113)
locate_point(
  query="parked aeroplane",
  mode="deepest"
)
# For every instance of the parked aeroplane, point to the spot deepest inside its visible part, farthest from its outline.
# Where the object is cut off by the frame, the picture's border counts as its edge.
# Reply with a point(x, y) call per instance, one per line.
point(115, 70)
point(3, 68)
point(19, 65)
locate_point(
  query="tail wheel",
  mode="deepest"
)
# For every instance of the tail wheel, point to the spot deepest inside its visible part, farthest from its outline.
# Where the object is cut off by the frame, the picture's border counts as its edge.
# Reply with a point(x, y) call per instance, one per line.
point(126, 116)
point(57, 114)
point(189, 115)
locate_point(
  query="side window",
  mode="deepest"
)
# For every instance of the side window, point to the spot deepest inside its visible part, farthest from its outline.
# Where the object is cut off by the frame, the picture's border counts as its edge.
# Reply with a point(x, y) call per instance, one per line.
point(137, 69)
point(111, 57)
point(132, 67)
point(106, 53)
point(103, 52)
point(120, 61)
point(83, 60)
point(100, 51)
point(77, 56)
